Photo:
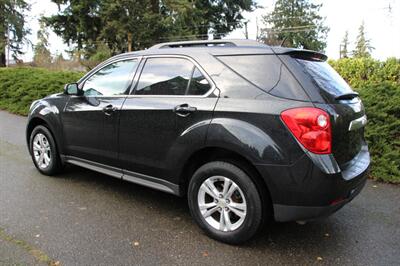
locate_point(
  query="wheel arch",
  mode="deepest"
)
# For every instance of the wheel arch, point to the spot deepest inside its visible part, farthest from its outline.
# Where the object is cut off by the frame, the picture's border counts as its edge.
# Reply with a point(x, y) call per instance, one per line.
point(39, 121)
point(214, 153)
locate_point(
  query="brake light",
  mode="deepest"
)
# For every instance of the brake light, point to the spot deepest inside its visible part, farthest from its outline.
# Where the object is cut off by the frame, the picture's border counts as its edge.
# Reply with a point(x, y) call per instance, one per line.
point(311, 127)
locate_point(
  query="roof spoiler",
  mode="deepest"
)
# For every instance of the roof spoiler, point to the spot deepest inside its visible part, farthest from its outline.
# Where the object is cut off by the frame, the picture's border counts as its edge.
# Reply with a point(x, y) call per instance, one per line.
point(301, 54)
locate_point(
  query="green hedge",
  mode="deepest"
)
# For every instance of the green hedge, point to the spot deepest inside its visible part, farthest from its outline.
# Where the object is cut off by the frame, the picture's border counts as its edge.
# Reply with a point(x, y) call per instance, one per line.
point(19, 87)
point(377, 82)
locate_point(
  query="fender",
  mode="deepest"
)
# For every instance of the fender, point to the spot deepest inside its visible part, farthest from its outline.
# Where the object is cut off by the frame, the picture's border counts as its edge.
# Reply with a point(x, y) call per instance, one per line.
point(246, 139)
point(49, 112)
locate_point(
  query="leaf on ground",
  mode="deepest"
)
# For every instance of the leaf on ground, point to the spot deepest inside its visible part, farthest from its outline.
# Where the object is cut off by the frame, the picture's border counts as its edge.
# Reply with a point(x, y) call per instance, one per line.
point(205, 254)
point(319, 258)
point(135, 243)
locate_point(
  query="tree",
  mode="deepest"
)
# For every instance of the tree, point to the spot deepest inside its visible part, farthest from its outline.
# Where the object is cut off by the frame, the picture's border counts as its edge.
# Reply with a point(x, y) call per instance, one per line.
point(125, 25)
point(130, 25)
point(42, 55)
point(78, 23)
point(363, 47)
point(296, 23)
point(218, 17)
point(344, 46)
point(12, 28)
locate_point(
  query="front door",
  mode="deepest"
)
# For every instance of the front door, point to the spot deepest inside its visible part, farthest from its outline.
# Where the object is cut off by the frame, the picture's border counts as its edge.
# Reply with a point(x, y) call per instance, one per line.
point(91, 120)
point(171, 95)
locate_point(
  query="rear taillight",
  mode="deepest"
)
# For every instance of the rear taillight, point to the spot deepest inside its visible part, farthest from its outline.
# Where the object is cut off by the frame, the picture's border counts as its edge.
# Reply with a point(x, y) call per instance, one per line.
point(311, 127)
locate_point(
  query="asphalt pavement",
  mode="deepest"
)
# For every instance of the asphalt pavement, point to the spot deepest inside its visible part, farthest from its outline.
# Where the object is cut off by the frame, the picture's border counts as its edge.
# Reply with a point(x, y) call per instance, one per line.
point(86, 218)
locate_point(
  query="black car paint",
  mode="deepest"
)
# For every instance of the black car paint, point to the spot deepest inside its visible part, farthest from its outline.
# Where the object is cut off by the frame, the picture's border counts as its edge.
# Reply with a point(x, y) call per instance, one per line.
point(144, 141)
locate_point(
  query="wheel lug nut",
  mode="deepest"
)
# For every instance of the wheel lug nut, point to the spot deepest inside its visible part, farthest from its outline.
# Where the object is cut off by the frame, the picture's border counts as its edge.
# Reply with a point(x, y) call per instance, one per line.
point(220, 209)
point(216, 201)
point(227, 201)
point(226, 209)
point(220, 195)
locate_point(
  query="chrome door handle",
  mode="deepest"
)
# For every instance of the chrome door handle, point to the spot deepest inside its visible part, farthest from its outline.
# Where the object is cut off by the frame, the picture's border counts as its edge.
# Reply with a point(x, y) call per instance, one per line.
point(184, 109)
point(109, 109)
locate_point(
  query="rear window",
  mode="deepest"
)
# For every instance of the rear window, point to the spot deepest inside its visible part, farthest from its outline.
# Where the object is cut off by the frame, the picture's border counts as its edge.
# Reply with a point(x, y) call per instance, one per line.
point(325, 77)
point(260, 70)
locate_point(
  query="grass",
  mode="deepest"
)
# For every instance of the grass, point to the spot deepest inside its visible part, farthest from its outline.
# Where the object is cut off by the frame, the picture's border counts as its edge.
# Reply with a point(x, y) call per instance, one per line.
point(39, 255)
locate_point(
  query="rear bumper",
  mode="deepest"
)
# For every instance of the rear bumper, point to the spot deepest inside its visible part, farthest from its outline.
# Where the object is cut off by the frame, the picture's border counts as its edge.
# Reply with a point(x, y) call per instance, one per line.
point(304, 191)
point(284, 213)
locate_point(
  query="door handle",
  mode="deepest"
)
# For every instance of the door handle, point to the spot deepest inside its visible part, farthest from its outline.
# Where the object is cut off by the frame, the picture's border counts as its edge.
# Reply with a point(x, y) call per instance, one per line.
point(184, 109)
point(109, 109)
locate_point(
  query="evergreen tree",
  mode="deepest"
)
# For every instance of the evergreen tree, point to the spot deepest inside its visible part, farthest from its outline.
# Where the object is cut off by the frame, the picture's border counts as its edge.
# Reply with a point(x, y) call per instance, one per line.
point(125, 25)
point(42, 55)
point(363, 47)
point(77, 23)
point(12, 27)
point(296, 23)
point(344, 53)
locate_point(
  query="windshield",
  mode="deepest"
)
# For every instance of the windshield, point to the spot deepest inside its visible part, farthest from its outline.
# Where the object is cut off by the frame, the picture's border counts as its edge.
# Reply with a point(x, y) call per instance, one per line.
point(326, 78)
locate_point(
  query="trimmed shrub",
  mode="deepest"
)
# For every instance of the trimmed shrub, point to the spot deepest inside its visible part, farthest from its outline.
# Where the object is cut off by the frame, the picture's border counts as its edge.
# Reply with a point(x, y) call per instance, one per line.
point(19, 87)
point(378, 84)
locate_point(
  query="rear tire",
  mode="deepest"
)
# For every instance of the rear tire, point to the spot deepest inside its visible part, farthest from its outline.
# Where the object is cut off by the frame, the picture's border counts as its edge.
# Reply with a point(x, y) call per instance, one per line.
point(44, 151)
point(225, 202)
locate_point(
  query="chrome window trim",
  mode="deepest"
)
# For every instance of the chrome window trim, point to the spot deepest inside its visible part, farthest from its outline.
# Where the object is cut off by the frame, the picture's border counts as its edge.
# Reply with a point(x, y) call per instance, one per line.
point(203, 72)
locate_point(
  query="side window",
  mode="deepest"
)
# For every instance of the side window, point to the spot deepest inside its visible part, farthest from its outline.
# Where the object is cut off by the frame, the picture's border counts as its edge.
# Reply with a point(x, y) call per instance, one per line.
point(198, 84)
point(165, 76)
point(112, 79)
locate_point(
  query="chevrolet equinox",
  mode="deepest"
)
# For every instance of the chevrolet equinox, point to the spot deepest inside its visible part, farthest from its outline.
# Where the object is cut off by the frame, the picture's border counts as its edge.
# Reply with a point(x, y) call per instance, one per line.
point(247, 132)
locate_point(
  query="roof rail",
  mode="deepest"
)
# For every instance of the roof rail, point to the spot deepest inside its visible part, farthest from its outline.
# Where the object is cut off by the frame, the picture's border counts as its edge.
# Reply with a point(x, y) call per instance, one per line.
point(208, 43)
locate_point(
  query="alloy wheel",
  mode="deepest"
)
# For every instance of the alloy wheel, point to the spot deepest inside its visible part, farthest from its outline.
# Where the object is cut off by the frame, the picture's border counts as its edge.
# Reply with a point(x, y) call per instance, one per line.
point(222, 203)
point(41, 151)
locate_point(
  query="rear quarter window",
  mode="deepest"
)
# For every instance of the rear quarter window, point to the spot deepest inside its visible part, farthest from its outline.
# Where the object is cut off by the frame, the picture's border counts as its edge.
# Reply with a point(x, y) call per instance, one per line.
point(267, 73)
point(260, 70)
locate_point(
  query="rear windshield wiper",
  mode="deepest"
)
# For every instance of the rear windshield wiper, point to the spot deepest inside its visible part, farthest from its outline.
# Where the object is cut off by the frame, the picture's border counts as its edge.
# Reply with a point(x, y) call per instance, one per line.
point(347, 96)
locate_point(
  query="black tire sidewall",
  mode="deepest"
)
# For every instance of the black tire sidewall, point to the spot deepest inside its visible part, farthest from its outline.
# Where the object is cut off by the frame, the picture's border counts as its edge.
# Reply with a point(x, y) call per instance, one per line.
point(254, 214)
point(55, 163)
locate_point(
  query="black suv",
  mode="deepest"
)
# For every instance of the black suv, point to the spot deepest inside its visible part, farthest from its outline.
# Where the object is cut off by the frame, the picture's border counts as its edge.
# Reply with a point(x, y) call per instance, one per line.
point(246, 131)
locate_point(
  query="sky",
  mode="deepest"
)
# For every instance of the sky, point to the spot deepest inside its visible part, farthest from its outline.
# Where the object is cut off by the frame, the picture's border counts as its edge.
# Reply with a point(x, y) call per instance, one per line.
point(381, 18)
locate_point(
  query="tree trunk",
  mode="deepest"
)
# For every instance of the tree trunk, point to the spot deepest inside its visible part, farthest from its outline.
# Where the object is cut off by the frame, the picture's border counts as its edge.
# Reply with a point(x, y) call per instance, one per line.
point(155, 6)
point(2, 59)
point(3, 42)
point(129, 42)
point(3, 39)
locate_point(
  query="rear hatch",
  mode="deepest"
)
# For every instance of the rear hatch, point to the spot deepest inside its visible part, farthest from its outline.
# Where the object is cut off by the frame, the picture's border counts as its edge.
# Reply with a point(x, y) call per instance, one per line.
point(330, 92)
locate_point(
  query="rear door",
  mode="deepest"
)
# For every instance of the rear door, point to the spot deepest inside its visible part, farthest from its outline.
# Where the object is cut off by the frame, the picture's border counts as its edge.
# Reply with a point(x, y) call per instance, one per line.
point(91, 120)
point(171, 95)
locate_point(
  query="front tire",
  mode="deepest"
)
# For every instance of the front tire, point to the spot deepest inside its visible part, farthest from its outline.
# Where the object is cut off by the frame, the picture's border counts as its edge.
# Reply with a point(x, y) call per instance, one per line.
point(44, 151)
point(225, 202)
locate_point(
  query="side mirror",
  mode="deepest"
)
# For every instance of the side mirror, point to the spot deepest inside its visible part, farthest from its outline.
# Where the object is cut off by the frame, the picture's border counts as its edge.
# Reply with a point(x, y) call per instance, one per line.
point(72, 89)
